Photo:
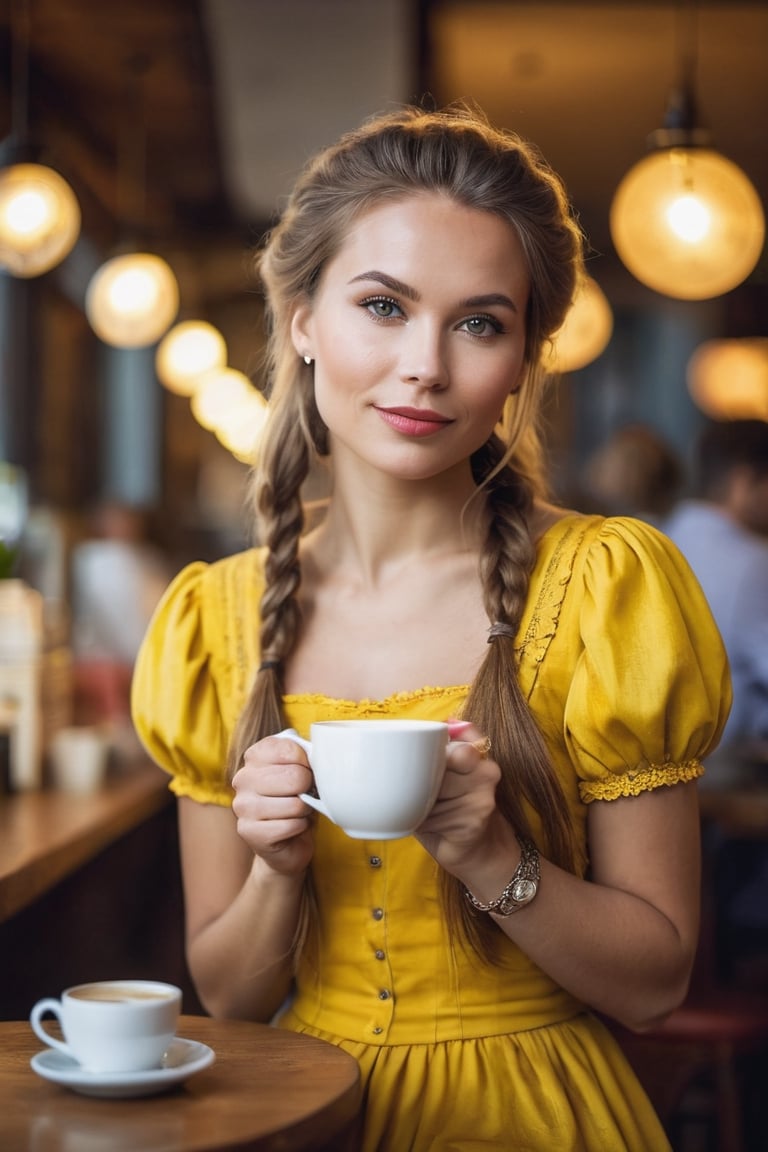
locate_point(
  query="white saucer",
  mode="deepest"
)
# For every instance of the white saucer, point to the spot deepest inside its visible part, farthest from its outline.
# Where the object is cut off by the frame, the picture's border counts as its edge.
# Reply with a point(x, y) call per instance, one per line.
point(182, 1059)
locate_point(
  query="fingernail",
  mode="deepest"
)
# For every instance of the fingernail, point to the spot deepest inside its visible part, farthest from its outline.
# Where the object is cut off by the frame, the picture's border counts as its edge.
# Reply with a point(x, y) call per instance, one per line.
point(456, 727)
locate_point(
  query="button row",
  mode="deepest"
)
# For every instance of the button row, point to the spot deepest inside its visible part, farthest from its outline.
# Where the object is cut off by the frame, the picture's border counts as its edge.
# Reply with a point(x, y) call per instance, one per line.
point(378, 914)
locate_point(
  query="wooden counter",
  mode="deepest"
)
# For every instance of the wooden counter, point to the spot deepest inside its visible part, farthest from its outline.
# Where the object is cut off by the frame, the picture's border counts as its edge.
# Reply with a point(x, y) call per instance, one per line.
point(46, 835)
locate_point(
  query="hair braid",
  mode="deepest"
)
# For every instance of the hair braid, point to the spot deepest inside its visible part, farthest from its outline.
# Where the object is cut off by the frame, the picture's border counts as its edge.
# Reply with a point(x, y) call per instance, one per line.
point(495, 701)
point(284, 469)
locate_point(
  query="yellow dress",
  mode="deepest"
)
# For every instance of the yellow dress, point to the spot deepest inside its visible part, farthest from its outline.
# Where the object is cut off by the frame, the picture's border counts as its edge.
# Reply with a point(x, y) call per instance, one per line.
point(627, 677)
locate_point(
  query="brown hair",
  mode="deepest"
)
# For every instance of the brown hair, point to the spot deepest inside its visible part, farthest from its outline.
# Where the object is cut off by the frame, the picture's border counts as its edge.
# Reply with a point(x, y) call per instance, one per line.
point(457, 153)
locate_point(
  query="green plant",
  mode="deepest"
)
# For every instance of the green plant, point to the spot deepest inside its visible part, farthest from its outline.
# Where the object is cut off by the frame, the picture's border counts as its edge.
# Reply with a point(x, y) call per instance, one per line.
point(7, 561)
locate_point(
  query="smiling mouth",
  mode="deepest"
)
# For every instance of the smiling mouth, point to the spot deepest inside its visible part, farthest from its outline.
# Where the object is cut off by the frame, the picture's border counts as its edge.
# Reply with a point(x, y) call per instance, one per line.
point(417, 422)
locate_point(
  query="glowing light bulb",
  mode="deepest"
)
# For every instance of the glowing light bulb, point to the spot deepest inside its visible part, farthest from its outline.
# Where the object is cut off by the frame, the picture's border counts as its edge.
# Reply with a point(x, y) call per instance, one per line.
point(39, 219)
point(26, 213)
point(585, 332)
point(687, 222)
point(132, 300)
point(133, 291)
point(187, 353)
point(220, 393)
point(689, 219)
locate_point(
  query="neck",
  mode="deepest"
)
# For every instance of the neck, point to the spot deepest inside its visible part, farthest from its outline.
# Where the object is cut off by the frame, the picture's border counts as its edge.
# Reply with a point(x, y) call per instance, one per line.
point(376, 526)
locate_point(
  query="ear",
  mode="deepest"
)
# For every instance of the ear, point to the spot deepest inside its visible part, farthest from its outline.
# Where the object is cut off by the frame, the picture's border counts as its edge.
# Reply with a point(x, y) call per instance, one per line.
point(301, 328)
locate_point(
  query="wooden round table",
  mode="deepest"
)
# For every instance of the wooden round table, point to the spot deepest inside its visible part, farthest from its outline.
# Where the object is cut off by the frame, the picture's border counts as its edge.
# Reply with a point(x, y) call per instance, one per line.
point(268, 1090)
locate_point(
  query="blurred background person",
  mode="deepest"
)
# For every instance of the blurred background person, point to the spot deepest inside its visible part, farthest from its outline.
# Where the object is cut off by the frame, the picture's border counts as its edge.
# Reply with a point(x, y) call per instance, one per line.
point(117, 576)
point(635, 472)
point(723, 533)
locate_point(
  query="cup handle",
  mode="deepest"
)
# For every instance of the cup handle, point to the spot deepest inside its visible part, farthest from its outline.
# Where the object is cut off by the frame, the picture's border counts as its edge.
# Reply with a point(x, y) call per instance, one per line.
point(316, 803)
point(292, 734)
point(35, 1019)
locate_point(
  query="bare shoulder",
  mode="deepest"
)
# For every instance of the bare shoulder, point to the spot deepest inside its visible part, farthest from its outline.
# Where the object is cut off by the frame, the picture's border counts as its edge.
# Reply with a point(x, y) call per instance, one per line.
point(545, 515)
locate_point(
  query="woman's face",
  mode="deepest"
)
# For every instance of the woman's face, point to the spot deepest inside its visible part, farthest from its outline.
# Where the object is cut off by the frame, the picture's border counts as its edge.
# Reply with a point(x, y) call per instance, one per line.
point(417, 330)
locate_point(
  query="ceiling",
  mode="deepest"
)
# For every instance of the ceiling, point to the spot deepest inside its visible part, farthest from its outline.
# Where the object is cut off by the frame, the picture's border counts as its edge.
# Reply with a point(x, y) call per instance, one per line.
point(190, 118)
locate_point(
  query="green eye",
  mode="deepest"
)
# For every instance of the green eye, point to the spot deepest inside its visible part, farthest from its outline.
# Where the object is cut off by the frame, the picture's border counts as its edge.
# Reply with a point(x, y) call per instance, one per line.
point(381, 307)
point(483, 326)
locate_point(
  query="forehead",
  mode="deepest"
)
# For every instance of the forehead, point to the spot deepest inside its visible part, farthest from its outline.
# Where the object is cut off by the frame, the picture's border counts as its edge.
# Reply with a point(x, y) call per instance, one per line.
point(426, 231)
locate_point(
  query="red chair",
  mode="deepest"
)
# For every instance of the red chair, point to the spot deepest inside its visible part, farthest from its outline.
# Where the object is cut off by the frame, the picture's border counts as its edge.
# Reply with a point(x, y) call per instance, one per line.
point(710, 1042)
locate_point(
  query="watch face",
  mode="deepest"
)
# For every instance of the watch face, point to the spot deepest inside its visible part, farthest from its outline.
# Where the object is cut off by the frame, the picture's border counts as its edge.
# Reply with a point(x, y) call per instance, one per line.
point(523, 891)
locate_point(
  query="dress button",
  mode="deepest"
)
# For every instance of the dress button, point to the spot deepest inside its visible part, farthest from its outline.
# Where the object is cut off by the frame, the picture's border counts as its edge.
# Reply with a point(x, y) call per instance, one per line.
point(379, 954)
point(378, 913)
point(384, 994)
point(378, 1031)
point(375, 861)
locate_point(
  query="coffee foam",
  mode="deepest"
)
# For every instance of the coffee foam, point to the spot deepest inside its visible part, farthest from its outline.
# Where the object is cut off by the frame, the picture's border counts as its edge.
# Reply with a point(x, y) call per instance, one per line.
point(114, 994)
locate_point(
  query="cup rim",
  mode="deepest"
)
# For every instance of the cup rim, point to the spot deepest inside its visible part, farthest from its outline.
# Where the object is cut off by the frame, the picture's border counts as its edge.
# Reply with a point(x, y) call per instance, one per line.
point(394, 724)
point(173, 992)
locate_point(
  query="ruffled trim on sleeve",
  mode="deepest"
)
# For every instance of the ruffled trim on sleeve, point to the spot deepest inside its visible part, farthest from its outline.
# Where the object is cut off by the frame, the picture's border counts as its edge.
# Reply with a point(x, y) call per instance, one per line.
point(203, 793)
point(640, 780)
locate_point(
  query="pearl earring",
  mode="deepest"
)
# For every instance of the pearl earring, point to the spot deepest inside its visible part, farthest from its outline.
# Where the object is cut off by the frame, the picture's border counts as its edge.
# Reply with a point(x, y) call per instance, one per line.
point(307, 360)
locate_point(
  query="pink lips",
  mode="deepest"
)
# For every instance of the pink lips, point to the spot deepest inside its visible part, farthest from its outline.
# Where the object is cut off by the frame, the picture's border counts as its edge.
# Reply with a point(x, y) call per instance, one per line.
point(417, 422)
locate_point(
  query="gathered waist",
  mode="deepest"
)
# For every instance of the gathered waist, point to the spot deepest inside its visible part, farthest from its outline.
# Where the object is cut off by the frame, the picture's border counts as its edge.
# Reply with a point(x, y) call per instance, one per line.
point(380, 1018)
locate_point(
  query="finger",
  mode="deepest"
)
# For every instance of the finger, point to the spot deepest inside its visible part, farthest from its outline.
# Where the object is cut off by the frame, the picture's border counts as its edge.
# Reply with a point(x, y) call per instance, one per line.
point(457, 728)
point(257, 806)
point(464, 731)
point(275, 750)
point(464, 755)
point(273, 779)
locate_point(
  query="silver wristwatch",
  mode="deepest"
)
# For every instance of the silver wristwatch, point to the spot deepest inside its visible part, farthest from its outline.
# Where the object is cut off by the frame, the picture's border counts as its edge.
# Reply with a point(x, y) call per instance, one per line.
point(520, 890)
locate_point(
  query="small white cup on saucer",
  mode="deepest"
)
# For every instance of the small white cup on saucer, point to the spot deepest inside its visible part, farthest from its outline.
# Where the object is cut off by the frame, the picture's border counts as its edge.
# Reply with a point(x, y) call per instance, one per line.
point(115, 1026)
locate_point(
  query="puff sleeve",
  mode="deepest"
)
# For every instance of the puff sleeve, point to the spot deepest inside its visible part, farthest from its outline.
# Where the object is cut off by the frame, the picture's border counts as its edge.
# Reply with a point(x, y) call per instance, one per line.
point(650, 691)
point(191, 676)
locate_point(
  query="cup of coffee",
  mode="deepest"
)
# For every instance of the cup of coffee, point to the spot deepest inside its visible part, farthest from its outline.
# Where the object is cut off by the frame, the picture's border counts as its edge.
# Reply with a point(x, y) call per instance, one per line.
point(112, 1026)
point(78, 759)
point(376, 779)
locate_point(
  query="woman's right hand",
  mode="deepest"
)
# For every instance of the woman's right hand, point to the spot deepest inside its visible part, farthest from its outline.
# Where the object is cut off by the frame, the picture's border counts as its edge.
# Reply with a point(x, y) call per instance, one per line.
point(272, 818)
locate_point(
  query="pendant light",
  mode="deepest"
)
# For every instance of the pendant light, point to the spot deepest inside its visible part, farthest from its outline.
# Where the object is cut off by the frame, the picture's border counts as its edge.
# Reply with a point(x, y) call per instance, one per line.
point(685, 220)
point(39, 212)
point(133, 298)
point(586, 331)
point(227, 404)
point(728, 379)
point(190, 350)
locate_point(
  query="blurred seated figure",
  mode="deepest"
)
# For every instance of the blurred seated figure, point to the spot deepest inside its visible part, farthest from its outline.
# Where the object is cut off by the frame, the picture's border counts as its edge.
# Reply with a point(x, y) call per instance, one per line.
point(636, 472)
point(723, 533)
point(117, 577)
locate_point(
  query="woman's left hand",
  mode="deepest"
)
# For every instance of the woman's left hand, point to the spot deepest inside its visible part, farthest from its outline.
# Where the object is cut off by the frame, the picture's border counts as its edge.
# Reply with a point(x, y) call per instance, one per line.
point(464, 816)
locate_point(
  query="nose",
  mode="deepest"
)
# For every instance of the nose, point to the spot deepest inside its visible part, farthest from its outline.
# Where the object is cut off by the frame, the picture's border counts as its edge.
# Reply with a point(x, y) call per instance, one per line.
point(423, 360)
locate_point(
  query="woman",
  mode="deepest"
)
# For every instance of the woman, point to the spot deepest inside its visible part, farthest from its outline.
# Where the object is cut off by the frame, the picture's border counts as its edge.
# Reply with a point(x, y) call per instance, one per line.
point(412, 284)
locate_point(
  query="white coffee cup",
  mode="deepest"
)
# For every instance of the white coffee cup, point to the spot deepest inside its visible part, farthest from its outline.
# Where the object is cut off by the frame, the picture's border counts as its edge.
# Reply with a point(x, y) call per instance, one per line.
point(78, 759)
point(376, 779)
point(113, 1025)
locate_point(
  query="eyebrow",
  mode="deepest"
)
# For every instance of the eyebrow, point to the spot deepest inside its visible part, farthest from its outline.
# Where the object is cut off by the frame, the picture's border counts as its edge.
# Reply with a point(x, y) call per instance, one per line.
point(389, 282)
point(409, 293)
